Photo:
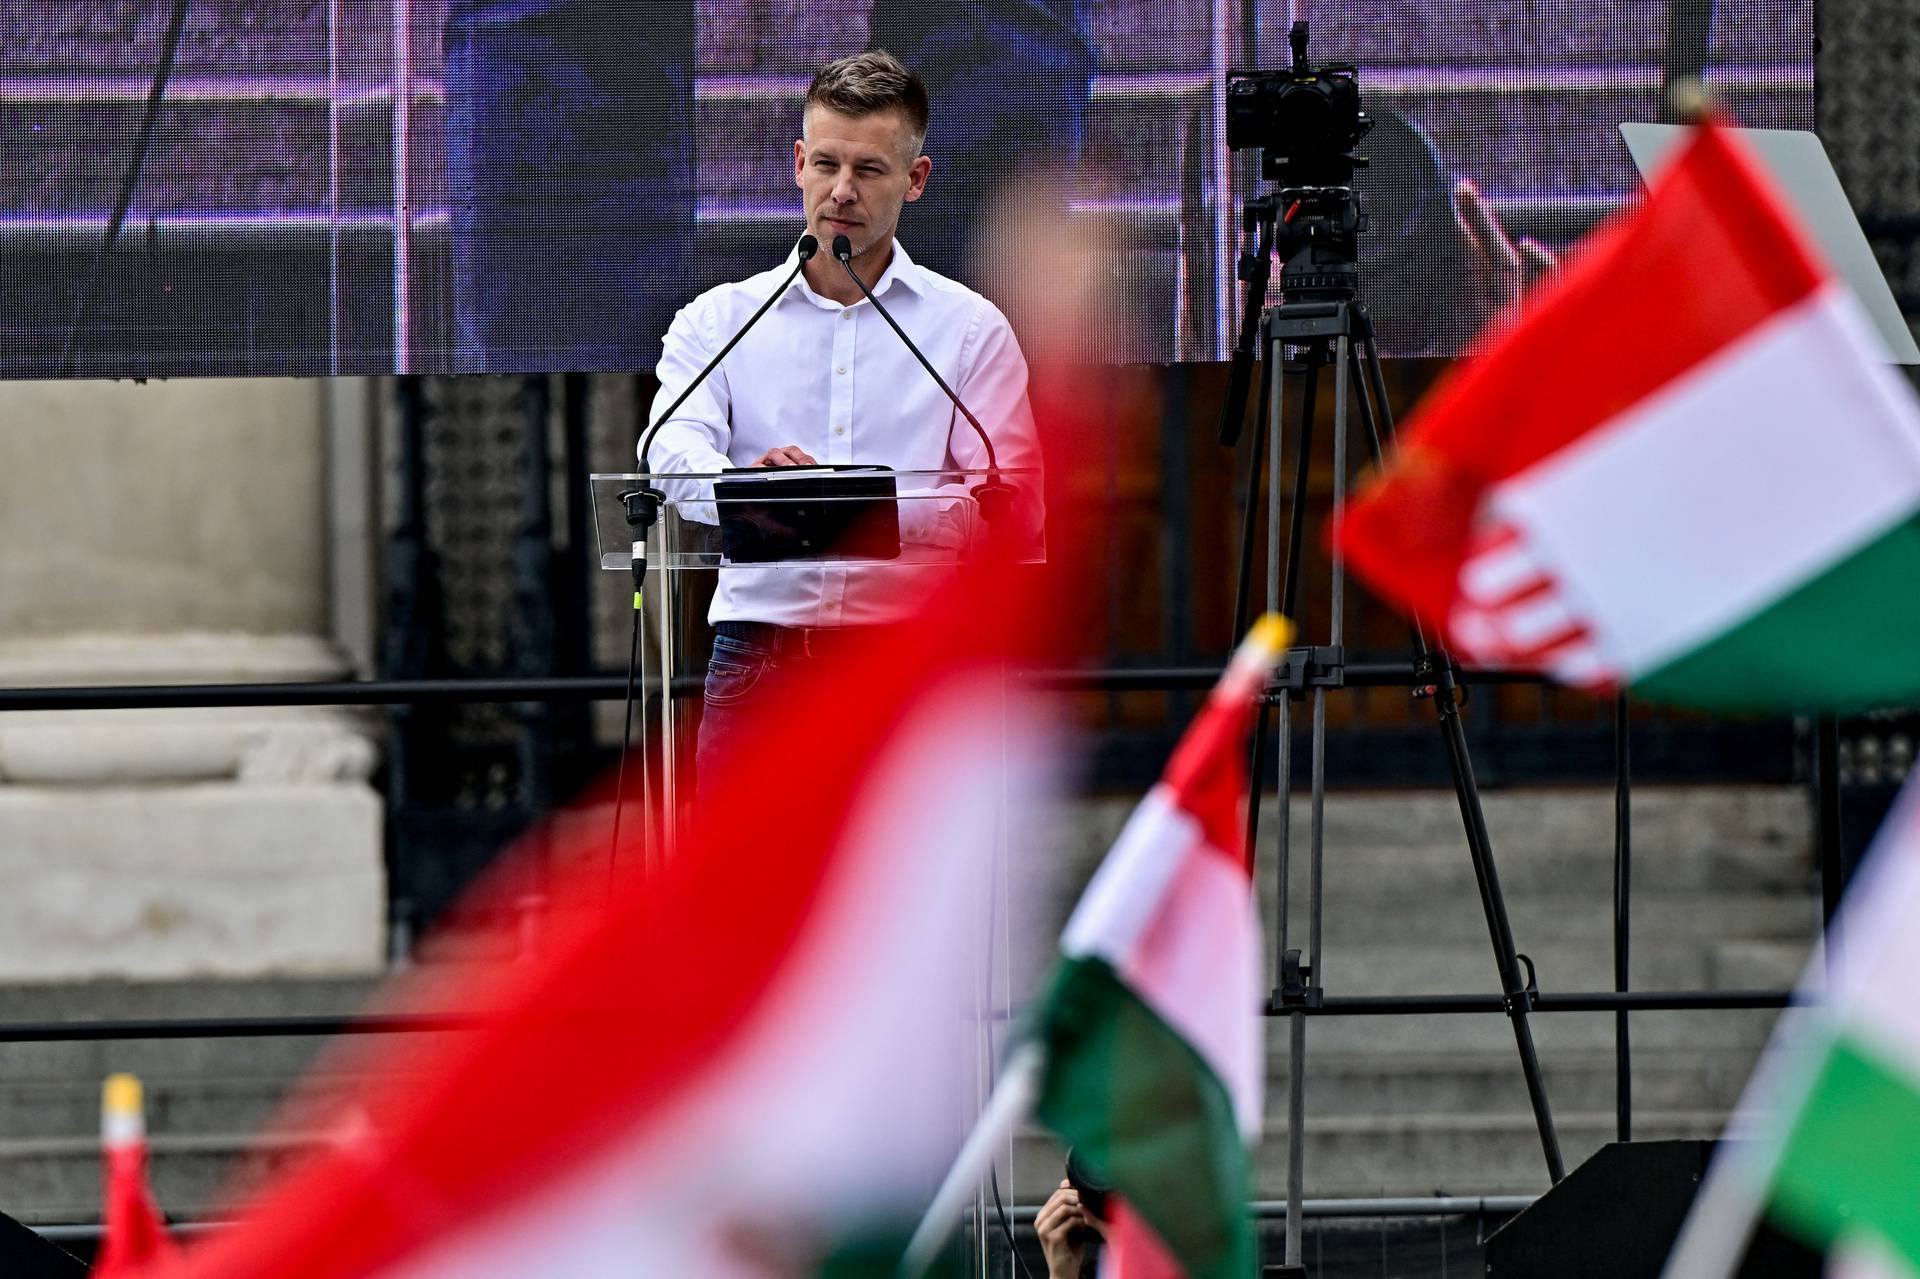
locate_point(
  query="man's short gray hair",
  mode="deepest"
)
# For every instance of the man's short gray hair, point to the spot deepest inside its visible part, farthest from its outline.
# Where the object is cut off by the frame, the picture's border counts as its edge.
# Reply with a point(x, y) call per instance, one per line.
point(864, 83)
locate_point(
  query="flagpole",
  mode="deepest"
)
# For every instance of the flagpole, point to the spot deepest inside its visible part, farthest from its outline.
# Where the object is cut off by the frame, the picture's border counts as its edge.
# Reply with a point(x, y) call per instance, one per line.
point(1715, 1233)
point(1012, 1098)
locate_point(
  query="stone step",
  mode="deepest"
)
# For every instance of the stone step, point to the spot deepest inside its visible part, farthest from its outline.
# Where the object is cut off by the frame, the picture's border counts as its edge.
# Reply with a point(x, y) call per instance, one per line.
point(1553, 1033)
point(1351, 967)
point(1391, 1083)
point(1442, 1152)
point(187, 1106)
point(1336, 1083)
point(1466, 965)
point(1684, 838)
point(57, 1179)
point(1562, 921)
point(270, 1059)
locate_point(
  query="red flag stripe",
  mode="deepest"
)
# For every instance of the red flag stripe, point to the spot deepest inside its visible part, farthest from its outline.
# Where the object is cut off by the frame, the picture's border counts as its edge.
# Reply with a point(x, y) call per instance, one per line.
point(1710, 248)
point(1133, 1250)
point(685, 961)
point(1207, 774)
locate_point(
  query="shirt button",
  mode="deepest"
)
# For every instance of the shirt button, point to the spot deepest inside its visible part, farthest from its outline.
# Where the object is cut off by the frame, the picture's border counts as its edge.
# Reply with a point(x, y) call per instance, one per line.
point(841, 369)
point(839, 430)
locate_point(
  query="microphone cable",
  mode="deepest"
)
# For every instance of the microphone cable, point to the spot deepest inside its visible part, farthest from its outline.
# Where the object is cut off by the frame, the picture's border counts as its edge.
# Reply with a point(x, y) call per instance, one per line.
point(142, 143)
point(635, 644)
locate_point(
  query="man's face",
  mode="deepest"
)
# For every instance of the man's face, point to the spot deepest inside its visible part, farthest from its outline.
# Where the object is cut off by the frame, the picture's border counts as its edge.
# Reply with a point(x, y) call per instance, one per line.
point(855, 173)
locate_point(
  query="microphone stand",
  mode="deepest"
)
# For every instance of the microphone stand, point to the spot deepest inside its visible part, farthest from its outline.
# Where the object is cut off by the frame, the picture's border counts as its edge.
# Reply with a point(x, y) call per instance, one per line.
point(994, 494)
point(643, 503)
point(643, 509)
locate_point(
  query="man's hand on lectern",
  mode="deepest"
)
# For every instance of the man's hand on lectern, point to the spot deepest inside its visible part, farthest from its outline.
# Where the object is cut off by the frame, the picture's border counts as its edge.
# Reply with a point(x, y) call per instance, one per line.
point(786, 455)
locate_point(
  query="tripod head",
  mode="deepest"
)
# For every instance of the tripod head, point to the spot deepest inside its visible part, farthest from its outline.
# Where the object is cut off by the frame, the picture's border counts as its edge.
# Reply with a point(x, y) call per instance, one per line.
point(1318, 241)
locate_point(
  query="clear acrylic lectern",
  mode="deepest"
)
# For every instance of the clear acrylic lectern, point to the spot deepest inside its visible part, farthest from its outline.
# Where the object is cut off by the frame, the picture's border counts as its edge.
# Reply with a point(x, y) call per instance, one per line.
point(898, 525)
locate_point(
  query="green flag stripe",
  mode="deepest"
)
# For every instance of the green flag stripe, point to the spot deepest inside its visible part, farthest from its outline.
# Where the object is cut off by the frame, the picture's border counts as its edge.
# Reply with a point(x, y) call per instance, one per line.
point(1142, 1108)
point(1842, 640)
point(1850, 1158)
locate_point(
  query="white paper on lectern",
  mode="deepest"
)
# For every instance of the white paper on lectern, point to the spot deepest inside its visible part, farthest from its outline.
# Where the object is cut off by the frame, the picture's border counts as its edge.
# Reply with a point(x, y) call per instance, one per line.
point(1799, 166)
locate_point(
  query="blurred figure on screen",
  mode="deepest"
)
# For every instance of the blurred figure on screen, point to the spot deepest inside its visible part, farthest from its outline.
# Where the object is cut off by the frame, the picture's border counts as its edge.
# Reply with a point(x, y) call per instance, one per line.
point(1008, 82)
point(570, 176)
point(822, 379)
point(1435, 263)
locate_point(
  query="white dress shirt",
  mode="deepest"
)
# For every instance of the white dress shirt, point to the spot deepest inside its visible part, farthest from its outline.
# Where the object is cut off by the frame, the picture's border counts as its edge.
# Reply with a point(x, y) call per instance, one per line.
point(838, 382)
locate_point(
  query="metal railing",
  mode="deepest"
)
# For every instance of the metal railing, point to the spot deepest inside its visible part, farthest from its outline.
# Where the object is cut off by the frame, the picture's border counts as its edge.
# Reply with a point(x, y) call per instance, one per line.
point(612, 687)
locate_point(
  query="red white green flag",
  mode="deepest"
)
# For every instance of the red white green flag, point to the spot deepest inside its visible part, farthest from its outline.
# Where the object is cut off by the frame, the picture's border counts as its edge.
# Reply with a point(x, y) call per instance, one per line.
point(1152, 1026)
point(757, 1061)
point(1685, 469)
point(1830, 1125)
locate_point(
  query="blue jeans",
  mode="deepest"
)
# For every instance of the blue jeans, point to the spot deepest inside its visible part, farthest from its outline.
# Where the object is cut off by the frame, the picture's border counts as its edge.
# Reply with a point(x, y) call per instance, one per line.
point(735, 670)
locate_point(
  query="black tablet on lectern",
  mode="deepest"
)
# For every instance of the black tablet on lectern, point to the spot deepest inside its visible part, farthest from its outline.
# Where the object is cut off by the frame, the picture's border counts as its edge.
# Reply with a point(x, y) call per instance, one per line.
point(770, 514)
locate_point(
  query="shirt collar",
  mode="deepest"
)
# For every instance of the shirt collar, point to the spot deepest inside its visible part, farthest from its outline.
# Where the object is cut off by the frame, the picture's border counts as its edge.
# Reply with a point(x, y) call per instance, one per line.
point(902, 270)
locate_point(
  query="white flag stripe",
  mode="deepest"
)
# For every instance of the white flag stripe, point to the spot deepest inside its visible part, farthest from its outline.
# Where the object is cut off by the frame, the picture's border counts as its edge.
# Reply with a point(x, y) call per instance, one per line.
point(1867, 998)
point(1498, 574)
point(845, 1099)
point(1536, 620)
point(1732, 455)
point(1125, 892)
point(1876, 951)
point(1861, 1256)
point(1199, 967)
point(1175, 919)
point(1579, 665)
point(1474, 634)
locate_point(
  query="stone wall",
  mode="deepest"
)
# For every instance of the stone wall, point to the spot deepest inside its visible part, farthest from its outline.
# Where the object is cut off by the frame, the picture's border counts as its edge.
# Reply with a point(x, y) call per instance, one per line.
point(176, 533)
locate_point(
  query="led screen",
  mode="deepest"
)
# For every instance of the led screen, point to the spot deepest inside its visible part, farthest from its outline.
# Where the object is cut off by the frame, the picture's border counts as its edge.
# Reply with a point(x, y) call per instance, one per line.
point(374, 186)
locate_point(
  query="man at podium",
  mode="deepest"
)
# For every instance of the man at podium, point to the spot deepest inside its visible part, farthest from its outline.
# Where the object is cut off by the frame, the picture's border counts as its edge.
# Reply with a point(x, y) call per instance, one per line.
point(822, 379)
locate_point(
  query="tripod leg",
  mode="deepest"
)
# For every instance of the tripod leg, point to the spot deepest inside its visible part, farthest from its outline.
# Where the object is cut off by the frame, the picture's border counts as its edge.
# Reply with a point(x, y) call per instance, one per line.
point(1622, 910)
point(1281, 598)
point(1297, 517)
point(1250, 512)
point(1281, 595)
point(1513, 983)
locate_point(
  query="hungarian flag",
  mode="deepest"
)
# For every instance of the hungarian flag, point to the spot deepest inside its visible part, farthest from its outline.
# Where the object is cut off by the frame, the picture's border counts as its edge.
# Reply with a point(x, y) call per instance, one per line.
point(1832, 1117)
point(133, 1235)
point(756, 1061)
point(1152, 1026)
point(1684, 469)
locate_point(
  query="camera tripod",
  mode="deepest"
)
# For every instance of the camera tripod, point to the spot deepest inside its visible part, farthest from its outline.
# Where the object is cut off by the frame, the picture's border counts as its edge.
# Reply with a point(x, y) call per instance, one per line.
point(1334, 333)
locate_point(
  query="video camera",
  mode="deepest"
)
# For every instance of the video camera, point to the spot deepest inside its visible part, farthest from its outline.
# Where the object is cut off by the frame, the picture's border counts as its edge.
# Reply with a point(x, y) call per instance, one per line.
point(1305, 120)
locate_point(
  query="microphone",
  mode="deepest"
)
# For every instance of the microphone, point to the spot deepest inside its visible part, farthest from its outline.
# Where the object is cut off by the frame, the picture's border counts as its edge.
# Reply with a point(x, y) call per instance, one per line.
point(994, 495)
point(643, 503)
